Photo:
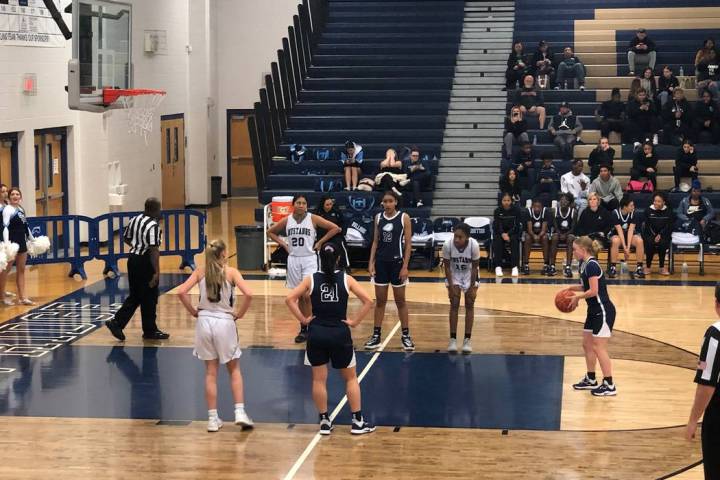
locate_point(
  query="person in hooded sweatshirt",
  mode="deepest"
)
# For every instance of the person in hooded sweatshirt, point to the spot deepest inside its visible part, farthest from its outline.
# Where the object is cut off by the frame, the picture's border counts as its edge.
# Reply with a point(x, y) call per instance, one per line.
point(657, 232)
point(603, 154)
point(566, 129)
point(642, 119)
point(685, 163)
point(695, 210)
point(707, 119)
point(645, 164)
point(608, 188)
point(677, 118)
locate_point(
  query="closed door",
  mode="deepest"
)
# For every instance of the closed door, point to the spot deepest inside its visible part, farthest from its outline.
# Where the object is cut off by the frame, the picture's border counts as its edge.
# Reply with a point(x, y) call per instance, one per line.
point(242, 169)
point(49, 173)
point(6, 164)
point(173, 162)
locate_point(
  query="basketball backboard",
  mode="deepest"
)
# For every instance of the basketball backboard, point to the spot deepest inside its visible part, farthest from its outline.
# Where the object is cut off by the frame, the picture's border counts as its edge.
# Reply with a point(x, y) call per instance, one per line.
point(101, 52)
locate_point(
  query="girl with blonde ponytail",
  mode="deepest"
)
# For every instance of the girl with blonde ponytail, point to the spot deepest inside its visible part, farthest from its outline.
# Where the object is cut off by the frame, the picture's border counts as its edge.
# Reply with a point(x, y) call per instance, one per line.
point(216, 337)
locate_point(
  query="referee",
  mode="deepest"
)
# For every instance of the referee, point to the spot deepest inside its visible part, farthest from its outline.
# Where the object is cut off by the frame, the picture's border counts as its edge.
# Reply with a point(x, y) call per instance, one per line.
point(143, 235)
point(707, 398)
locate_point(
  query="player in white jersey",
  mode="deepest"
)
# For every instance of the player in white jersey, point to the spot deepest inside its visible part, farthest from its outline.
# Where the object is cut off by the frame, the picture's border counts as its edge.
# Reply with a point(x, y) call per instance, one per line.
point(300, 242)
point(461, 258)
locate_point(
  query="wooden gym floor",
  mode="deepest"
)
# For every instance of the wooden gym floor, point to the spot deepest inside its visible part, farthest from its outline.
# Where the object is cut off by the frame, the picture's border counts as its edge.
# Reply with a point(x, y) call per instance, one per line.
point(74, 401)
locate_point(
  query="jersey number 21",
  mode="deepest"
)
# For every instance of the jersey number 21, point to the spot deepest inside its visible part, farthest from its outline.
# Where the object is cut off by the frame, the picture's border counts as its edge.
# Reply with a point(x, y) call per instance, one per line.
point(329, 293)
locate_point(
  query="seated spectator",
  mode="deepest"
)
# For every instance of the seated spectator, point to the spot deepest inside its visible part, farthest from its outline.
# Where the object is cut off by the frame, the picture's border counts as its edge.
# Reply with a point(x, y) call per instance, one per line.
point(677, 118)
point(523, 163)
point(611, 114)
point(707, 119)
point(547, 178)
point(594, 221)
point(685, 163)
point(506, 234)
point(645, 164)
point(391, 175)
point(641, 49)
point(517, 67)
point(351, 160)
point(607, 188)
point(695, 211)
point(419, 174)
point(634, 87)
point(657, 232)
point(563, 225)
point(647, 81)
point(510, 183)
point(566, 129)
point(515, 130)
point(328, 210)
point(576, 183)
point(530, 100)
point(642, 121)
point(603, 154)
point(666, 84)
point(626, 235)
point(537, 221)
point(707, 73)
point(570, 65)
point(542, 66)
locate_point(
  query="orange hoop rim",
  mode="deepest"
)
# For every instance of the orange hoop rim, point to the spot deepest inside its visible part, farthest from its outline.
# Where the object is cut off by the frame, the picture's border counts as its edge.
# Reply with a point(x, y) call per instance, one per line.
point(111, 95)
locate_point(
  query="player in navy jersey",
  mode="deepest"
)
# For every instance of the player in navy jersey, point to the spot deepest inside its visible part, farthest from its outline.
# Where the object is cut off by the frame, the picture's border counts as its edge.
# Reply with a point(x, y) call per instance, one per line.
point(389, 259)
point(329, 339)
point(562, 232)
point(600, 317)
point(538, 220)
point(625, 234)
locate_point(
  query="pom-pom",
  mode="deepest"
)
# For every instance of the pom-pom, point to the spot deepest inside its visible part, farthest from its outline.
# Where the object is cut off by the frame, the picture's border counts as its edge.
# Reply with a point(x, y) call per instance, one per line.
point(10, 250)
point(38, 246)
point(3, 261)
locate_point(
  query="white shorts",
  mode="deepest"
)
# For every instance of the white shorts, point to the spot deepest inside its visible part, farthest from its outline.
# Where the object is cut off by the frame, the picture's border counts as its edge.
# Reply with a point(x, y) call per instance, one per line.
point(462, 282)
point(298, 268)
point(216, 337)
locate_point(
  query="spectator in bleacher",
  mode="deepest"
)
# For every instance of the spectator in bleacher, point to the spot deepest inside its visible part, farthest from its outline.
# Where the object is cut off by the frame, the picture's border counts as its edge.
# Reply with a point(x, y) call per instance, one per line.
point(515, 129)
point(645, 164)
point(603, 154)
point(351, 159)
point(695, 211)
point(328, 210)
point(506, 234)
point(643, 46)
point(418, 171)
point(607, 187)
point(610, 114)
point(564, 222)
point(547, 178)
point(642, 119)
point(536, 225)
point(510, 183)
point(391, 173)
point(647, 81)
point(634, 87)
point(576, 183)
point(657, 232)
point(570, 65)
point(666, 84)
point(685, 163)
point(677, 118)
point(707, 71)
point(531, 100)
point(707, 119)
point(523, 163)
point(625, 234)
point(566, 129)
point(542, 65)
point(517, 67)
point(594, 221)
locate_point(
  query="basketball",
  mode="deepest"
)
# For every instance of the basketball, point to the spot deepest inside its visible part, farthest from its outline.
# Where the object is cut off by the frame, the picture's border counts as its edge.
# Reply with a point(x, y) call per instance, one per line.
point(562, 301)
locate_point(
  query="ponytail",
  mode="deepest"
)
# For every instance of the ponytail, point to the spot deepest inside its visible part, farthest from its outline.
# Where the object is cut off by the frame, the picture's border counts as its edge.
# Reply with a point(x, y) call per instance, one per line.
point(328, 260)
point(214, 269)
point(590, 245)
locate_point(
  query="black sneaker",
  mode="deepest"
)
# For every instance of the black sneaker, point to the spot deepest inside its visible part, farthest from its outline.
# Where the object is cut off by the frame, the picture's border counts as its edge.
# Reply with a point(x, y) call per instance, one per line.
point(373, 342)
point(612, 271)
point(604, 390)
point(567, 271)
point(156, 335)
point(326, 426)
point(640, 272)
point(586, 384)
point(362, 427)
point(552, 271)
point(526, 269)
point(407, 343)
point(115, 330)
point(301, 336)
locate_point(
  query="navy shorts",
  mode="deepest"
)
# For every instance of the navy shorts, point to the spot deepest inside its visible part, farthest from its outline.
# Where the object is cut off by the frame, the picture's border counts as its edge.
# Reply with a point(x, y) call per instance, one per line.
point(388, 273)
point(600, 320)
point(329, 344)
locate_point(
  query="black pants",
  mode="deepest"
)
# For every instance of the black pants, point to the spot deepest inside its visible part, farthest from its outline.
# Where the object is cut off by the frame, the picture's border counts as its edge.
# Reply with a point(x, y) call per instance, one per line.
point(683, 170)
point(611, 205)
point(419, 180)
point(637, 173)
point(674, 135)
point(651, 248)
point(499, 247)
point(387, 183)
point(608, 125)
point(641, 129)
point(140, 272)
point(711, 442)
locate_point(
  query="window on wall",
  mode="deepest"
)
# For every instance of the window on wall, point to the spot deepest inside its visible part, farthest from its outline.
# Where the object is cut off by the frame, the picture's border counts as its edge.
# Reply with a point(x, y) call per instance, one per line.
point(50, 169)
point(177, 146)
point(168, 158)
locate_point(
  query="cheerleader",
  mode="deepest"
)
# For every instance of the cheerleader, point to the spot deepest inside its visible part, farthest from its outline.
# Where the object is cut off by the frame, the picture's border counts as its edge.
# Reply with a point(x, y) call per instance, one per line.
point(625, 235)
point(16, 231)
point(461, 259)
point(562, 232)
point(329, 339)
point(389, 259)
point(301, 233)
point(216, 337)
point(600, 317)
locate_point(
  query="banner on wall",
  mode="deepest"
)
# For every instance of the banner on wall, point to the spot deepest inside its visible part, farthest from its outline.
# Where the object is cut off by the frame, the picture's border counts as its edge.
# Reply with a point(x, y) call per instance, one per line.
point(27, 23)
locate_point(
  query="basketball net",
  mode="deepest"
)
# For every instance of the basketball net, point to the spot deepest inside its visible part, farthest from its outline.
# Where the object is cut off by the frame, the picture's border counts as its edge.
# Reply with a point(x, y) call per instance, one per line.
point(139, 105)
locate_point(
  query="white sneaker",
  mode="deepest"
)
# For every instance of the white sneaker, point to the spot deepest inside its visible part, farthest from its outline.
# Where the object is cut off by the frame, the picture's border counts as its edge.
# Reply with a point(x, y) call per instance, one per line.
point(10, 294)
point(514, 272)
point(26, 301)
point(242, 419)
point(452, 346)
point(419, 203)
point(498, 272)
point(8, 302)
point(636, 146)
point(467, 346)
point(214, 424)
point(655, 139)
point(397, 192)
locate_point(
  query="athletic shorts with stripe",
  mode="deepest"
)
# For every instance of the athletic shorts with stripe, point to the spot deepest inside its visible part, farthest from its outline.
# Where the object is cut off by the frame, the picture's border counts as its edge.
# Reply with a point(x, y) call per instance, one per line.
point(600, 320)
point(388, 273)
point(298, 268)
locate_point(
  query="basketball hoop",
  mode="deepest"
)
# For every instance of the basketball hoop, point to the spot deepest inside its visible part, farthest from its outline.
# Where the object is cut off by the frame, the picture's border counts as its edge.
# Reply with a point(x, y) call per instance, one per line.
point(140, 105)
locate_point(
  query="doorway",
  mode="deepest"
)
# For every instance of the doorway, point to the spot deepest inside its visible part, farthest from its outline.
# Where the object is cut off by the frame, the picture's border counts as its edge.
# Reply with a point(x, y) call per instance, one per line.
point(51, 197)
point(172, 166)
point(9, 159)
point(241, 169)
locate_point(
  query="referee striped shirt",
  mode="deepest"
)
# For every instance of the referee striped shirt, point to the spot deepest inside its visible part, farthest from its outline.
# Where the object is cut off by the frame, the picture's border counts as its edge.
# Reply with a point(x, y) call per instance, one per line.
point(708, 370)
point(143, 232)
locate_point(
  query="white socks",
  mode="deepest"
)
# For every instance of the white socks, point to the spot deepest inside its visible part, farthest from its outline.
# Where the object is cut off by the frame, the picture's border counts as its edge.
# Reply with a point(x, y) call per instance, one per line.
point(212, 413)
point(239, 406)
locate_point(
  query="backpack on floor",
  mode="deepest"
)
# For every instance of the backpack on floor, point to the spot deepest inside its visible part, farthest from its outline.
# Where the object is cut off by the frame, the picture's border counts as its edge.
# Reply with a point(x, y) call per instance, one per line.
point(323, 154)
point(297, 153)
point(638, 186)
point(328, 185)
point(712, 233)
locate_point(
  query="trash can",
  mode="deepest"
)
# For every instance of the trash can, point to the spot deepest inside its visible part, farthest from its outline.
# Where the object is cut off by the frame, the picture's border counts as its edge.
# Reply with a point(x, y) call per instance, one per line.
point(215, 191)
point(249, 241)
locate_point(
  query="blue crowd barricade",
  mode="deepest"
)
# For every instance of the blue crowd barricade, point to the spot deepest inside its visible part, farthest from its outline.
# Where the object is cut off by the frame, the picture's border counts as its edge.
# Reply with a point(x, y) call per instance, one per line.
point(183, 234)
point(73, 240)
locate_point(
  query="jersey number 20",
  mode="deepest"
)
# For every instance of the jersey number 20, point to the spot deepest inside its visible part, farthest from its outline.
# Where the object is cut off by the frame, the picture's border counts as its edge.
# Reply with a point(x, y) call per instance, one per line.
point(329, 293)
point(297, 241)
